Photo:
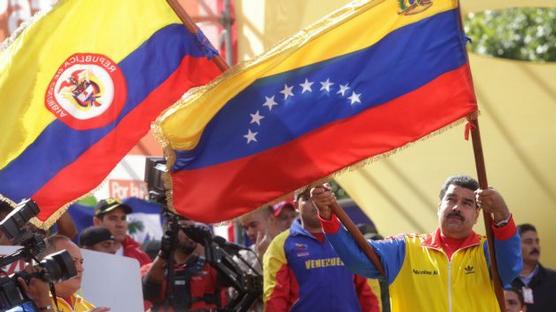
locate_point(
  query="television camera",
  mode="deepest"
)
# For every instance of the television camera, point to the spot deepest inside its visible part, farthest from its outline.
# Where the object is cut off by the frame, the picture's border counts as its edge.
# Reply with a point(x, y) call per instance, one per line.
point(233, 269)
point(53, 268)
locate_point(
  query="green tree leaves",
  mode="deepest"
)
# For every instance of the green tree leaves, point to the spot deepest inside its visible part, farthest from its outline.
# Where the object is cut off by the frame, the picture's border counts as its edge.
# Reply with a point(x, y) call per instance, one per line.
point(523, 34)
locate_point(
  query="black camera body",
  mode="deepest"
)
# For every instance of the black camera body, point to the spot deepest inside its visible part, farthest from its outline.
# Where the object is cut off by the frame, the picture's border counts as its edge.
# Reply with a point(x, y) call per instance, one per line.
point(53, 268)
point(225, 258)
point(155, 168)
point(219, 254)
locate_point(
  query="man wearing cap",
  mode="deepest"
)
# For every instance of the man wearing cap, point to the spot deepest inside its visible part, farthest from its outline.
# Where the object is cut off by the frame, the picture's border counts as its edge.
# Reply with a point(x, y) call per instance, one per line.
point(112, 214)
point(97, 238)
point(283, 214)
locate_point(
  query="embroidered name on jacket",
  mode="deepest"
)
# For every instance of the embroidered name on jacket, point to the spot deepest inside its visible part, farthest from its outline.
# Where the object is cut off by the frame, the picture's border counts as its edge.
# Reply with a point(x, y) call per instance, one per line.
point(425, 272)
point(323, 263)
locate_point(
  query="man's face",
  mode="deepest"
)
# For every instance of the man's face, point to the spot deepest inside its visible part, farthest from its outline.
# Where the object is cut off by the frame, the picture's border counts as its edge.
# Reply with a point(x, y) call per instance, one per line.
point(253, 224)
point(512, 302)
point(457, 212)
point(308, 213)
point(285, 219)
point(106, 246)
point(530, 247)
point(70, 286)
point(185, 244)
point(115, 221)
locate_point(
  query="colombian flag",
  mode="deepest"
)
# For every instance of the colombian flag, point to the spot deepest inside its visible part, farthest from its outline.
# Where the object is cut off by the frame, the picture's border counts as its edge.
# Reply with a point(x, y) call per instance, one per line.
point(370, 78)
point(81, 85)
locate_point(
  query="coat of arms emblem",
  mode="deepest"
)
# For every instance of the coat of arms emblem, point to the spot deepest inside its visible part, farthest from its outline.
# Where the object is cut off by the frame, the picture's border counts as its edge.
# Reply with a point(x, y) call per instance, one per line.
point(410, 7)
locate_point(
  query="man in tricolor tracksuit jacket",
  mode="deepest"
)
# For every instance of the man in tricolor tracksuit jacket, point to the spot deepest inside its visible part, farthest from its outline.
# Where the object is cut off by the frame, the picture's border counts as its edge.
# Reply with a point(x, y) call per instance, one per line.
point(302, 272)
point(447, 270)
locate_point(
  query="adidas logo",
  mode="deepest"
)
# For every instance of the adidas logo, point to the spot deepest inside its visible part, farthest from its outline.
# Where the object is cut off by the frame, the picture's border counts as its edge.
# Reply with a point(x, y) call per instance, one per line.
point(469, 269)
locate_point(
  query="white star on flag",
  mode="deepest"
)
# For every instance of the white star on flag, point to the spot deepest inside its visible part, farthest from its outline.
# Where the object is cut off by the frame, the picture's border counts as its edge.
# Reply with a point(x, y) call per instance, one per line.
point(256, 118)
point(325, 85)
point(287, 91)
point(343, 89)
point(251, 136)
point(306, 86)
point(269, 102)
point(355, 98)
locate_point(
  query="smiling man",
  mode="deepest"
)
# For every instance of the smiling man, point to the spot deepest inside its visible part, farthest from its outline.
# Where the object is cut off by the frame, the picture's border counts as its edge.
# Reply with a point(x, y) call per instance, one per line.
point(446, 270)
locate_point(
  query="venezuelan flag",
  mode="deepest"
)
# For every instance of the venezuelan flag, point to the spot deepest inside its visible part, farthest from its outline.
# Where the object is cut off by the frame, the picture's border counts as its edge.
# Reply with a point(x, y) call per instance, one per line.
point(370, 78)
point(81, 85)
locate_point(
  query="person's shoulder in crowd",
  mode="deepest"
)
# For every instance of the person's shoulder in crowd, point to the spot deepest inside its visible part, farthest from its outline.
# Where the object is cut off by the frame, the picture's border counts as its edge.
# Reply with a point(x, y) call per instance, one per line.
point(76, 304)
point(279, 240)
point(132, 249)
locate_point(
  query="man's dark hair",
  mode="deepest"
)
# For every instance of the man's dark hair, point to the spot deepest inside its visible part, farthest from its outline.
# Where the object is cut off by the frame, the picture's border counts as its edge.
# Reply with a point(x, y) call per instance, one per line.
point(526, 227)
point(463, 181)
point(302, 193)
point(518, 292)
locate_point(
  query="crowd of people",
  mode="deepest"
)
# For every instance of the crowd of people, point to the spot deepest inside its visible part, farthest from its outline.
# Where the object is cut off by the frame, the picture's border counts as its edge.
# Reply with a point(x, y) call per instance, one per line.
point(309, 262)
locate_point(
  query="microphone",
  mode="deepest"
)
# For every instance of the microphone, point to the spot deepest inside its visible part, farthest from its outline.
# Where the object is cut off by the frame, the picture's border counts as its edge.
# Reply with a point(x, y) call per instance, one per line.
point(229, 247)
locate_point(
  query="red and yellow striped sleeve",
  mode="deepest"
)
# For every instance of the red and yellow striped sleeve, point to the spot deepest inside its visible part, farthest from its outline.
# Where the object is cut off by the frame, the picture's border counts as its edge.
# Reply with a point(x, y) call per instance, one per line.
point(279, 284)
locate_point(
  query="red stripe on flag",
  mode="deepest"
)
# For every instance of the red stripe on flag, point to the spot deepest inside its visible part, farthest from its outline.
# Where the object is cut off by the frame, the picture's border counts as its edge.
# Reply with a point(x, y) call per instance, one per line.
point(88, 171)
point(230, 189)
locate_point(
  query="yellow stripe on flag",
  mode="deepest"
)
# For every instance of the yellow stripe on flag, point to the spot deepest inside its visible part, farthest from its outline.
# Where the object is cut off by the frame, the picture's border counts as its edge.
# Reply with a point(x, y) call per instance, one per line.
point(113, 28)
point(337, 34)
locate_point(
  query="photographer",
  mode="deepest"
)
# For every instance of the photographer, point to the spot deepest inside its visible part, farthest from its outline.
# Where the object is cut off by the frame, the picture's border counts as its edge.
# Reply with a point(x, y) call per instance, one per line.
point(67, 299)
point(61, 265)
point(195, 283)
point(36, 290)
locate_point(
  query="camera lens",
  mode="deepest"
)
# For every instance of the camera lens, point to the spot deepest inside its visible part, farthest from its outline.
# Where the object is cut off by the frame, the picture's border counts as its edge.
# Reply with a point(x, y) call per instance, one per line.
point(13, 223)
point(58, 266)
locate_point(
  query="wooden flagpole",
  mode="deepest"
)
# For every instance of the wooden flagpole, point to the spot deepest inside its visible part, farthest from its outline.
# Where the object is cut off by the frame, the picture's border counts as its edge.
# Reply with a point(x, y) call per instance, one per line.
point(339, 211)
point(192, 27)
point(483, 184)
point(358, 237)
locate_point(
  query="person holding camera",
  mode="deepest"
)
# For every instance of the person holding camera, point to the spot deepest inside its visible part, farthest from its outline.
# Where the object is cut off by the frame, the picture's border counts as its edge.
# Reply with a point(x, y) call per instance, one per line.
point(36, 290)
point(67, 299)
point(195, 284)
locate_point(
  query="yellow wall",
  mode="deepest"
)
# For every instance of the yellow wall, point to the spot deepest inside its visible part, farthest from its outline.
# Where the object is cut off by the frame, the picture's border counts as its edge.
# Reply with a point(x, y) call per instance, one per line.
point(518, 129)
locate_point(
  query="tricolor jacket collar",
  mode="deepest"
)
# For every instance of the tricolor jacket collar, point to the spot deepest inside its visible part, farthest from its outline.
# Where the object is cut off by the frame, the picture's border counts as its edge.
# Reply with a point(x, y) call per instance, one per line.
point(297, 229)
point(433, 240)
